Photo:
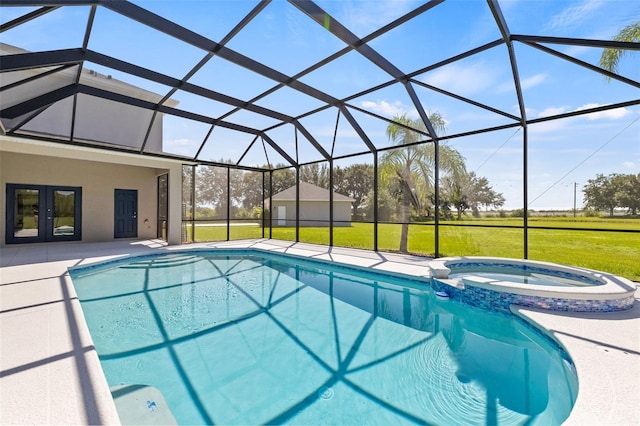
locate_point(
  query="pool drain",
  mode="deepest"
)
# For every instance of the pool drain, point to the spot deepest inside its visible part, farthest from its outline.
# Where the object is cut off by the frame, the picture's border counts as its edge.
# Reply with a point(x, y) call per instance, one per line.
point(325, 392)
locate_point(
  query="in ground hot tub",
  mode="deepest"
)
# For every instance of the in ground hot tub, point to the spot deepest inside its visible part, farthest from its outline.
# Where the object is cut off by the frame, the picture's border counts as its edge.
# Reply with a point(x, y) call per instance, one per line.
point(496, 283)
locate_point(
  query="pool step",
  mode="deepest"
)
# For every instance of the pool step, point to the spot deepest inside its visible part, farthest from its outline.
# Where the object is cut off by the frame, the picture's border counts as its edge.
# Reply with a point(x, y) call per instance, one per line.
point(177, 260)
point(141, 405)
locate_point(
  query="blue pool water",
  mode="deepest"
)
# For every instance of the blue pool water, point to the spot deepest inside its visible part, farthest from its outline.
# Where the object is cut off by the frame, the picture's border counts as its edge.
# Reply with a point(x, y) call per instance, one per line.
point(521, 274)
point(250, 338)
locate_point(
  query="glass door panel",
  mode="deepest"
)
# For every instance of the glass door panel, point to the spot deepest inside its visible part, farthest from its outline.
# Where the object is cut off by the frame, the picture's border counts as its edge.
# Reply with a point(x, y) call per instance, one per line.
point(26, 209)
point(63, 212)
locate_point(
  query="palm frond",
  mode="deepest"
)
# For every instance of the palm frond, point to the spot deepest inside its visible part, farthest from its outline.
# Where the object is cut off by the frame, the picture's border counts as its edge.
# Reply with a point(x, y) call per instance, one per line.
point(611, 57)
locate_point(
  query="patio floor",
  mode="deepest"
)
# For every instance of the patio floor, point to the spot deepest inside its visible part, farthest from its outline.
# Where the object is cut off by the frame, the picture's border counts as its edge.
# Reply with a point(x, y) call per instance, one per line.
point(50, 372)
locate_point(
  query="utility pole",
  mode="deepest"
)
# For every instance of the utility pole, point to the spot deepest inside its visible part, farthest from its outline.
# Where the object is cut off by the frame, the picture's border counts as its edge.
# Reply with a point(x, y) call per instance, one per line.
point(575, 185)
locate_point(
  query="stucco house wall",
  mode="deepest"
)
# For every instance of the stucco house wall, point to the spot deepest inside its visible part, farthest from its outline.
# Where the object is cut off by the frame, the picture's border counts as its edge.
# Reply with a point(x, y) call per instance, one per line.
point(99, 173)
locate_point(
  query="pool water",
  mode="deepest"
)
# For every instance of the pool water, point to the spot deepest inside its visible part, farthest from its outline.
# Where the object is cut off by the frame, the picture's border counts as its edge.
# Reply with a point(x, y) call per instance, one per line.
point(246, 338)
point(521, 274)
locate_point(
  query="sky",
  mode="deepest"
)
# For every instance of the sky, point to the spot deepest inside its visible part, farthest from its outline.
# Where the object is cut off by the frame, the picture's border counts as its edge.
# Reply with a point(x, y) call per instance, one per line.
point(563, 154)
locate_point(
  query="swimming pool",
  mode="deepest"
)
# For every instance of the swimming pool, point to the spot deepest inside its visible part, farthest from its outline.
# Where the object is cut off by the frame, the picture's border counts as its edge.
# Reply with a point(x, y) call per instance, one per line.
point(246, 337)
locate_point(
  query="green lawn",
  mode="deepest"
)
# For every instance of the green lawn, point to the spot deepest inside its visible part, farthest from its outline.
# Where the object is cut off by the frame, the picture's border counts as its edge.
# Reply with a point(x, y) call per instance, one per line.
point(561, 222)
point(614, 252)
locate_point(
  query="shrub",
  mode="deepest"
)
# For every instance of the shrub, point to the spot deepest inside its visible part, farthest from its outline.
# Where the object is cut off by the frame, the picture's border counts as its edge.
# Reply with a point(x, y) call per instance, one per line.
point(591, 213)
point(518, 213)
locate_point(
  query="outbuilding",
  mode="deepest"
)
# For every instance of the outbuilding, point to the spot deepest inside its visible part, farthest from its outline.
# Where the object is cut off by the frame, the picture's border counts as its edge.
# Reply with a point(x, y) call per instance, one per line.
point(314, 207)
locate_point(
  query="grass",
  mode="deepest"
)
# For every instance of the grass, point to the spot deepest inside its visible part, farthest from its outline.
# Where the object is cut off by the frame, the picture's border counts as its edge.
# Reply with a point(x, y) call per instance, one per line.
point(622, 223)
point(614, 252)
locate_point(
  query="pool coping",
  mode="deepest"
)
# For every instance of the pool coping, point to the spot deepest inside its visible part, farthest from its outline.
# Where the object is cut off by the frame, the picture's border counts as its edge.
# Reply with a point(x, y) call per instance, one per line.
point(46, 352)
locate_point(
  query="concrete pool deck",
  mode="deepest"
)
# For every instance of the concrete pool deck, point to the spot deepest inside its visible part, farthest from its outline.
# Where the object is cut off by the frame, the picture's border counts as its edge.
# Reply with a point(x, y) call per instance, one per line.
point(50, 372)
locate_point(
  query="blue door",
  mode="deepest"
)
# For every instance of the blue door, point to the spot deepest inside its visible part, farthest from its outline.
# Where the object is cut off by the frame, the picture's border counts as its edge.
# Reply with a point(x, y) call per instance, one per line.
point(126, 213)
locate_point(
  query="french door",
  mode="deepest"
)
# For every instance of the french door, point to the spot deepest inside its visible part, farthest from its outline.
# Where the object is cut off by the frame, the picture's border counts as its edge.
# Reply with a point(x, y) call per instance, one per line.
point(42, 213)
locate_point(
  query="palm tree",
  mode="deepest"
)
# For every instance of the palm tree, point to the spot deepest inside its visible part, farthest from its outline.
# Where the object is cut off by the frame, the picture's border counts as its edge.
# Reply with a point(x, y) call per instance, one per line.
point(610, 56)
point(413, 166)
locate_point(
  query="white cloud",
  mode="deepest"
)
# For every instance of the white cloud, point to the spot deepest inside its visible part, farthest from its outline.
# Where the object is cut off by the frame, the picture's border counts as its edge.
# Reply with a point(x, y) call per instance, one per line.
point(532, 81)
point(580, 51)
point(629, 165)
point(526, 83)
point(387, 109)
point(575, 15)
point(611, 114)
point(463, 80)
point(548, 126)
point(560, 124)
point(552, 126)
point(550, 111)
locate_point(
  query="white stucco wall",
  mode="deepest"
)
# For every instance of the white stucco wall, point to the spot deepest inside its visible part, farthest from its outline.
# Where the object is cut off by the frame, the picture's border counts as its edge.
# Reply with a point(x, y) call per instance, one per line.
point(97, 120)
point(98, 173)
point(313, 213)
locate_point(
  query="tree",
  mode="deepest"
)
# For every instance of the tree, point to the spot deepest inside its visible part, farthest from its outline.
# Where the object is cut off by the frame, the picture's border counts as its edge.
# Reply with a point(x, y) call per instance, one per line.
point(282, 179)
point(248, 191)
point(627, 193)
point(483, 196)
point(613, 191)
point(211, 188)
point(469, 191)
point(456, 194)
point(236, 188)
point(355, 181)
point(315, 174)
point(414, 165)
point(610, 56)
point(187, 181)
point(600, 193)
